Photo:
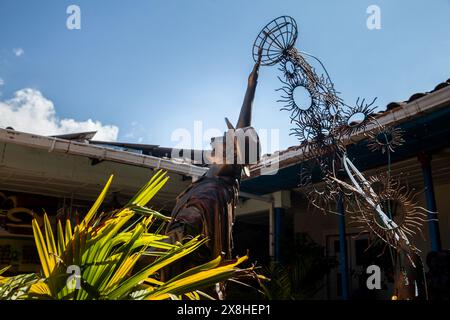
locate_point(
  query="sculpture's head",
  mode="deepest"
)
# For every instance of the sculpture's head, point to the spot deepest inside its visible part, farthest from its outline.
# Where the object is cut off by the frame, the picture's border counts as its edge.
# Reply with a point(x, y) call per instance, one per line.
point(235, 151)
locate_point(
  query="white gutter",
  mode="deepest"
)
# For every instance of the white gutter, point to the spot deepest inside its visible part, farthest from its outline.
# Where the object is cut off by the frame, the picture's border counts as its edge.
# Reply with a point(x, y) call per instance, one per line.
point(427, 103)
point(97, 152)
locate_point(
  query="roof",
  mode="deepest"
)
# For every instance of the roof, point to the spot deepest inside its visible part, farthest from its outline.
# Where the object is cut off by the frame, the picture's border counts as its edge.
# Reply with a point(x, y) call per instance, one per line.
point(394, 113)
point(154, 156)
point(99, 153)
point(80, 137)
point(191, 156)
point(75, 172)
point(395, 105)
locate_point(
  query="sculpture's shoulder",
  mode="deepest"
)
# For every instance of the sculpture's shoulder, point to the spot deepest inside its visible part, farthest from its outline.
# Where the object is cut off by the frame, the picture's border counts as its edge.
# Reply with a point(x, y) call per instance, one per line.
point(209, 191)
point(211, 185)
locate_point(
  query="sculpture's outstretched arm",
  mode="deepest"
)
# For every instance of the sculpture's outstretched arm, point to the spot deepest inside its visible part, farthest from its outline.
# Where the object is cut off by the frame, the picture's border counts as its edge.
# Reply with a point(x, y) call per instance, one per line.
point(245, 117)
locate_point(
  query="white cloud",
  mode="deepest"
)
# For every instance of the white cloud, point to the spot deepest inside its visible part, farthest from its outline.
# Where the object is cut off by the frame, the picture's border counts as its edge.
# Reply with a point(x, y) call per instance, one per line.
point(30, 111)
point(18, 52)
point(2, 82)
point(137, 133)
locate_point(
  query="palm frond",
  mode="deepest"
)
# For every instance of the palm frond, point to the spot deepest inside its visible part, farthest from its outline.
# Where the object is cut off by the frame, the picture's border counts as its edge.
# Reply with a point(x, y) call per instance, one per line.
point(104, 247)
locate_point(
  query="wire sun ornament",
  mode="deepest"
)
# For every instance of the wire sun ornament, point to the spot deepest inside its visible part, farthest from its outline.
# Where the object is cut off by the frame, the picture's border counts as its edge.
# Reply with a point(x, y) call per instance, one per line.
point(289, 68)
point(275, 39)
point(314, 130)
point(358, 117)
point(312, 102)
point(398, 201)
point(385, 139)
point(311, 172)
point(298, 97)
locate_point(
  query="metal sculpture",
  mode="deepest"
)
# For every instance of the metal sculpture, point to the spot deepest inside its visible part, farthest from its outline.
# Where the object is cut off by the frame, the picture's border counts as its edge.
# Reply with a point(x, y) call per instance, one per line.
point(325, 125)
point(207, 206)
point(271, 43)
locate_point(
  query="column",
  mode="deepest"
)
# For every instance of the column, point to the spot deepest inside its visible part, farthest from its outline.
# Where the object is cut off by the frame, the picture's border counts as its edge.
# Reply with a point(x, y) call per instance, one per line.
point(433, 223)
point(278, 213)
point(343, 256)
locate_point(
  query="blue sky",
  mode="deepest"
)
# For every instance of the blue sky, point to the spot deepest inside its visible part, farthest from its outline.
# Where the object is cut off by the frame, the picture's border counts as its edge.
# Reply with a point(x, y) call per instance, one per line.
point(151, 67)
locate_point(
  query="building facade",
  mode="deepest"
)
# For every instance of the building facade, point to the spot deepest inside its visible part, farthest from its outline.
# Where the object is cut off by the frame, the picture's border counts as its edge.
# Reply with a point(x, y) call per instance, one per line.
point(274, 208)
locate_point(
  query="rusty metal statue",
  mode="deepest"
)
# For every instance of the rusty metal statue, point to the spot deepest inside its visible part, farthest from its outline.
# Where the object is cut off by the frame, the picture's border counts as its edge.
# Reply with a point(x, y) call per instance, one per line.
point(207, 206)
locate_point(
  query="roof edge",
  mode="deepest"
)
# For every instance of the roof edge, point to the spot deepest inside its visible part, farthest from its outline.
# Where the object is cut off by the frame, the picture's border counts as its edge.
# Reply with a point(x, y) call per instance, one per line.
point(410, 110)
point(53, 144)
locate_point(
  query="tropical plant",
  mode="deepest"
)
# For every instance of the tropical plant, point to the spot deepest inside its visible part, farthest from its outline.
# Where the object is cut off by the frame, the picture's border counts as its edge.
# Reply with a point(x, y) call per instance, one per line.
point(105, 247)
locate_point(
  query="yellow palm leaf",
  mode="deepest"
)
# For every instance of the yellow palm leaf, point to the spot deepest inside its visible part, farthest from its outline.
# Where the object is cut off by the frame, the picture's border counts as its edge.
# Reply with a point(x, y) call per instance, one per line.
point(196, 280)
point(40, 288)
point(97, 204)
point(46, 262)
point(60, 236)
